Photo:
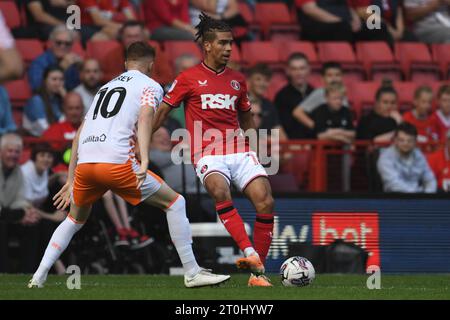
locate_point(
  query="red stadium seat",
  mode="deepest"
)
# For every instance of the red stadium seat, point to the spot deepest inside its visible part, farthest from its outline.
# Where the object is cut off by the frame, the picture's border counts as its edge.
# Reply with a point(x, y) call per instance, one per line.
point(378, 60)
point(441, 55)
point(235, 54)
point(99, 49)
point(260, 52)
point(277, 82)
point(29, 49)
point(10, 13)
point(341, 52)
point(415, 60)
point(18, 117)
point(19, 92)
point(405, 91)
point(174, 49)
point(362, 96)
point(275, 18)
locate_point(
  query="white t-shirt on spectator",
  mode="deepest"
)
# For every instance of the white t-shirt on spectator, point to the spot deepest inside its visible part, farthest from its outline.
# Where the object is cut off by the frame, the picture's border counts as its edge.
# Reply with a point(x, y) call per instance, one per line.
point(36, 186)
point(6, 39)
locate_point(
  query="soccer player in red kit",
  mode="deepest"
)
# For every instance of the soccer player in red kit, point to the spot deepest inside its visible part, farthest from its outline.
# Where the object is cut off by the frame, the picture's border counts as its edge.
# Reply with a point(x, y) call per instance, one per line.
point(215, 100)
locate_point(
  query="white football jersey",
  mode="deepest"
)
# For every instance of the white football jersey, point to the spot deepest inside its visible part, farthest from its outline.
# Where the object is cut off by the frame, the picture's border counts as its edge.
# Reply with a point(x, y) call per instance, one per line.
point(109, 130)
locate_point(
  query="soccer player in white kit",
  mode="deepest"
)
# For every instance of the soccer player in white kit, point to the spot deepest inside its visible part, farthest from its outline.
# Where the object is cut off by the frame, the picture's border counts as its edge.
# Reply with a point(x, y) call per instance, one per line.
point(103, 159)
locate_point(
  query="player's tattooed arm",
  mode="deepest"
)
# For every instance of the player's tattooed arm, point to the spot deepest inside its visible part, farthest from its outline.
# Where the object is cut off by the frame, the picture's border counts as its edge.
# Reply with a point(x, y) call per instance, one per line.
point(62, 198)
point(161, 115)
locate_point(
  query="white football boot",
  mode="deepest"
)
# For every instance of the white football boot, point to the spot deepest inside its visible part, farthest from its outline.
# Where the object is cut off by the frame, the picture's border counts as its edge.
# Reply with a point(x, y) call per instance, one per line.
point(204, 278)
point(33, 283)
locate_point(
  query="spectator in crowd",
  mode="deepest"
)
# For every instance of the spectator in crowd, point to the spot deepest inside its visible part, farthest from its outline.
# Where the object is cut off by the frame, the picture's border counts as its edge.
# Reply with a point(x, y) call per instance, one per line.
point(44, 108)
point(420, 115)
point(441, 117)
point(183, 62)
point(403, 167)
point(90, 77)
point(327, 20)
point(392, 24)
point(7, 123)
point(161, 156)
point(36, 177)
point(11, 65)
point(64, 132)
point(59, 54)
point(169, 20)
point(332, 120)
point(126, 236)
point(331, 73)
point(439, 162)
point(291, 95)
point(225, 10)
point(258, 81)
point(133, 31)
point(380, 124)
point(44, 15)
point(430, 18)
point(100, 19)
point(13, 206)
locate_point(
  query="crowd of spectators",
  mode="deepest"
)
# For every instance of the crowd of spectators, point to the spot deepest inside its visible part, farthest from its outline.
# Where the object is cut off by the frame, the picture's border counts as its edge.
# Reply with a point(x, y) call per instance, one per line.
point(64, 85)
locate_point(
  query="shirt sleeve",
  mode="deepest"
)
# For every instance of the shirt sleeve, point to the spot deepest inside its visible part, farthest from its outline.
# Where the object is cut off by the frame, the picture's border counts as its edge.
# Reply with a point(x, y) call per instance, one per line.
point(178, 91)
point(392, 180)
point(312, 101)
point(300, 3)
point(6, 39)
point(244, 102)
point(151, 97)
point(429, 180)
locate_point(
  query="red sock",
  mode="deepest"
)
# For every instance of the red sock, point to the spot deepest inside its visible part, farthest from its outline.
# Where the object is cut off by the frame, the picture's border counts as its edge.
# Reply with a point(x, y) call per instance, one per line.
point(262, 234)
point(233, 223)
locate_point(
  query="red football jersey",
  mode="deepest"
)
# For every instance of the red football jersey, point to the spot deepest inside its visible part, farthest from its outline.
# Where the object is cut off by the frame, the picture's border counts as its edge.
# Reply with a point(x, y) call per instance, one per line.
point(211, 103)
point(426, 128)
point(439, 162)
point(442, 124)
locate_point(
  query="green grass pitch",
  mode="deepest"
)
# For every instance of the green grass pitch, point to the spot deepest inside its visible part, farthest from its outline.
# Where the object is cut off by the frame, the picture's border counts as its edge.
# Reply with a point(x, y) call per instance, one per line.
point(163, 287)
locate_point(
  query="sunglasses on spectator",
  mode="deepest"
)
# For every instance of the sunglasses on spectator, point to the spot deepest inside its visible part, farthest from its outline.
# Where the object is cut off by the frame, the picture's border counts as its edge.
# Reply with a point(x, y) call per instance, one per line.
point(61, 43)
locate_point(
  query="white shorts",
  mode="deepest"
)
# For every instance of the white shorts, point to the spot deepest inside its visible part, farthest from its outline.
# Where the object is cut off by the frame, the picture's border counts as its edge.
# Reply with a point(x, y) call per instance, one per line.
point(239, 168)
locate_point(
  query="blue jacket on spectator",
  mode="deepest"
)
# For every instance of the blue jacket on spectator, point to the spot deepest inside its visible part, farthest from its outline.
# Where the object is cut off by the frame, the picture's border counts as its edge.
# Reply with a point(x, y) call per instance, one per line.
point(45, 60)
point(405, 174)
point(7, 123)
point(35, 118)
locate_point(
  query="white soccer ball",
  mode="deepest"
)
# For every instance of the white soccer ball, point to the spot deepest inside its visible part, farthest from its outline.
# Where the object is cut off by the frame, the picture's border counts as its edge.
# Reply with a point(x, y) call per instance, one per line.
point(297, 272)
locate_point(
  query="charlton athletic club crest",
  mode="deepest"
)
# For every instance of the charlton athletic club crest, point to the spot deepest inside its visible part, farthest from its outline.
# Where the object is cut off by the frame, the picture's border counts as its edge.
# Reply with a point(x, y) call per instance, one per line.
point(235, 85)
point(203, 169)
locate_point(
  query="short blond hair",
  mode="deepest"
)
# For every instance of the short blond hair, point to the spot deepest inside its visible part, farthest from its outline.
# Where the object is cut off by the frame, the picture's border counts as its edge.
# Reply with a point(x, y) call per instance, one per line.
point(11, 138)
point(335, 87)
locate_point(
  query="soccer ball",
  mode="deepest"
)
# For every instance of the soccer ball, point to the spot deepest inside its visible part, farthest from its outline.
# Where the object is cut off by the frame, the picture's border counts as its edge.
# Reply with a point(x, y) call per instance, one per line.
point(297, 272)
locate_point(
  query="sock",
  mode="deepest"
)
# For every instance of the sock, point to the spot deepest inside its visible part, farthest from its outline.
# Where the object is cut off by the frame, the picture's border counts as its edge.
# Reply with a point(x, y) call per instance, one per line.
point(180, 232)
point(58, 243)
point(262, 234)
point(233, 223)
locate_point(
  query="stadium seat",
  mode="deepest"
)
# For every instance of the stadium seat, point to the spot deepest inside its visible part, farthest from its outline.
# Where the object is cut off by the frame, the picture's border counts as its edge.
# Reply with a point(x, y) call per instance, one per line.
point(441, 55)
point(275, 19)
point(10, 13)
point(416, 62)
point(29, 49)
point(341, 52)
point(19, 92)
point(277, 82)
point(260, 52)
point(99, 49)
point(378, 60)
point(362, 96)
point(174, 49)
point(405, 91)
point(236, 54)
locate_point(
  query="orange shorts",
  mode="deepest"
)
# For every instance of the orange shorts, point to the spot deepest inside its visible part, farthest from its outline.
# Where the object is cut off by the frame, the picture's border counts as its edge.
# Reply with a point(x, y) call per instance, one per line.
point(92, 180)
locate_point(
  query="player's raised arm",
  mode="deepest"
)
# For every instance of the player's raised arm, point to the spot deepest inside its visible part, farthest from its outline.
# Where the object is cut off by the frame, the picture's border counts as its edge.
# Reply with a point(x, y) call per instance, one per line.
point(161, 115)
point(62, 198)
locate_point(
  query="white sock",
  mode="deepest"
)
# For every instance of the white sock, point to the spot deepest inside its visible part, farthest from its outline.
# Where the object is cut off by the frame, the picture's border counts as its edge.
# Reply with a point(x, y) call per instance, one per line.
point(180, 232)
point(249, 251)
point(58, 243)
